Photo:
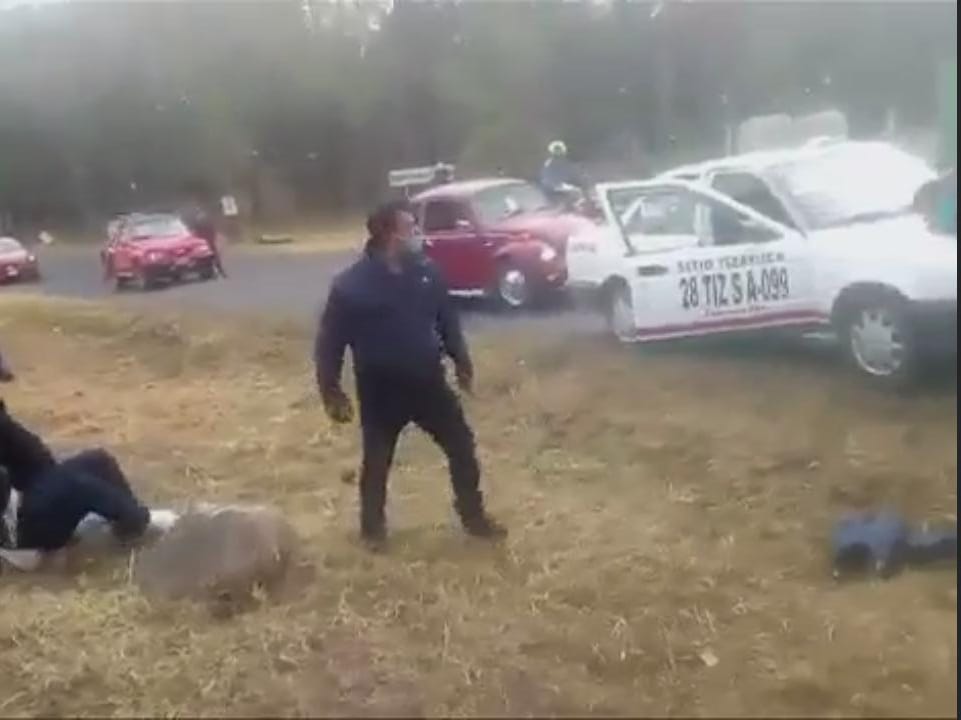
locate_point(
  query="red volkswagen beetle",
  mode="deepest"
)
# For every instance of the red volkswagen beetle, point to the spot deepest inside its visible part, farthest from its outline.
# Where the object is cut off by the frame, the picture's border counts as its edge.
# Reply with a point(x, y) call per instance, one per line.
point(145, 250)
point(16, 262)
point(498, 238)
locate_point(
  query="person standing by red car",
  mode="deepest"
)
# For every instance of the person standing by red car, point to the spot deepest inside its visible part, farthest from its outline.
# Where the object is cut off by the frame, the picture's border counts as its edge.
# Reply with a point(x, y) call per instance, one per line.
point(201, 219)
point(202, 224)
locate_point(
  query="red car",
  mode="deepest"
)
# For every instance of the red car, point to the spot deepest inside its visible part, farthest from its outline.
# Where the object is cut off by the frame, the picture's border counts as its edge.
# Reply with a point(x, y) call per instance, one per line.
point(147, 249)
point(16, 262)
point(498, 238)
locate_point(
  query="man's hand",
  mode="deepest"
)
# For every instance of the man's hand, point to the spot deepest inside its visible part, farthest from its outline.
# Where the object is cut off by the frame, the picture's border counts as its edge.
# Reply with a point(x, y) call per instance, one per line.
point(465, 379)
point(337, 405)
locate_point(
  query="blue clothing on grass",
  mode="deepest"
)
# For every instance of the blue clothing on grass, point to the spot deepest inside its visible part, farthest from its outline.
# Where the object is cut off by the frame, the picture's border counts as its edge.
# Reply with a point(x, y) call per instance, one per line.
point(558, 171)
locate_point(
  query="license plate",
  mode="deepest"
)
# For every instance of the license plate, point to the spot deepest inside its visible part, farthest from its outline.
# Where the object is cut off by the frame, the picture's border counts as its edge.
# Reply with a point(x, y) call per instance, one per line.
point(12, 272)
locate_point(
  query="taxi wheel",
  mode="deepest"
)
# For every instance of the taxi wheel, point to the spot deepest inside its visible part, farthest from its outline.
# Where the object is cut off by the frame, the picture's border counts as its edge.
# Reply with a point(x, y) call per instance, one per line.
point(878, 341)
point(207, 270)
point(619, 312)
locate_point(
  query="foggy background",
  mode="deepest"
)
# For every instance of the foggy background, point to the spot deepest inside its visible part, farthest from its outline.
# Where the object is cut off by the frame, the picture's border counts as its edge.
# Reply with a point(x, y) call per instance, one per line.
point(300, 108)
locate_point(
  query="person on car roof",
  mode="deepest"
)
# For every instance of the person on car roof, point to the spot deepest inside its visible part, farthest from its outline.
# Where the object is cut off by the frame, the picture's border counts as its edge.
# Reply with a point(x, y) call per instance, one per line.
point(392, 310)
point(558, 172)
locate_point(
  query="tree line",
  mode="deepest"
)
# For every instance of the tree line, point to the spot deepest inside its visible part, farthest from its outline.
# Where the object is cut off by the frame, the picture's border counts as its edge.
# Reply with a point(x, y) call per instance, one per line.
point(302, 106)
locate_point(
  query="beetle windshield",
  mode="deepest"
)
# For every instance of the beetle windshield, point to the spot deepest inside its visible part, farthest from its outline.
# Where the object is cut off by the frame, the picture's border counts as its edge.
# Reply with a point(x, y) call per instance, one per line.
point(505, 201)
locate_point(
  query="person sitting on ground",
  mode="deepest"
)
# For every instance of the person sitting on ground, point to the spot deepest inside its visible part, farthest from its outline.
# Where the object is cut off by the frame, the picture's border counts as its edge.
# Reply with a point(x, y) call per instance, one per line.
point(55, 496)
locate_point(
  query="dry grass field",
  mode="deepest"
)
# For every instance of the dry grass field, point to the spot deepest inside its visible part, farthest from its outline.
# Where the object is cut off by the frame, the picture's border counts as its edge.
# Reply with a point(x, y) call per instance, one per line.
point(669, 515)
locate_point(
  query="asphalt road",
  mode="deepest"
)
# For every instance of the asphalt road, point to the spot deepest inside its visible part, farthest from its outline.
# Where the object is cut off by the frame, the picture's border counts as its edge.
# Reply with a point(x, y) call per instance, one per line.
point(277, 283)
point(293, 285)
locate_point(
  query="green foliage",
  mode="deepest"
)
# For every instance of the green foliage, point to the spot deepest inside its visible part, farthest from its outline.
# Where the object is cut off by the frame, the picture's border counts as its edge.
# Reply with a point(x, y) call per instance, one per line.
point(106, 105)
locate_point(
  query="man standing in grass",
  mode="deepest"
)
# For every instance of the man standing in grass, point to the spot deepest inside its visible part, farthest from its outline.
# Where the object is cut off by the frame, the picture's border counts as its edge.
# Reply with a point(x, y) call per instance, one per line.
point(392, 309)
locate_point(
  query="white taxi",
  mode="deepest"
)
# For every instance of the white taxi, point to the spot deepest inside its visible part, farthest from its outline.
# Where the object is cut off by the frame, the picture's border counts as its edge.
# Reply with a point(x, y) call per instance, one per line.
point(821, 237)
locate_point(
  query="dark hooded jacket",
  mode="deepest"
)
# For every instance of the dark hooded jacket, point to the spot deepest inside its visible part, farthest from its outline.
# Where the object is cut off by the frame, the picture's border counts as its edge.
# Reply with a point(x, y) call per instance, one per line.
point(400, 324)
point(23, 455)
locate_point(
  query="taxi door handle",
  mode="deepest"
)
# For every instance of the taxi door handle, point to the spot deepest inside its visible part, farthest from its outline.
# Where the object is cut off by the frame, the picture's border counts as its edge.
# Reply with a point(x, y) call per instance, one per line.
point(651, 270)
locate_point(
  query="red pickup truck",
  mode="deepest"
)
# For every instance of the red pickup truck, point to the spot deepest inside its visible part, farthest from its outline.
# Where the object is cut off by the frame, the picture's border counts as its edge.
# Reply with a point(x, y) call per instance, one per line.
point(498, 238)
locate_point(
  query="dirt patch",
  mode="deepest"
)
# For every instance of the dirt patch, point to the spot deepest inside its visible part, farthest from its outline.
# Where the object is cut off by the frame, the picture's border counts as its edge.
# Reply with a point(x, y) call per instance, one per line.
point(668, 512)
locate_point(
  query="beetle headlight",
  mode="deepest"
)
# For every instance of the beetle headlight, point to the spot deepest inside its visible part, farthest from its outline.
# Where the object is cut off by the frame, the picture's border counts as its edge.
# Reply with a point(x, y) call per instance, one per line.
point(548, 253)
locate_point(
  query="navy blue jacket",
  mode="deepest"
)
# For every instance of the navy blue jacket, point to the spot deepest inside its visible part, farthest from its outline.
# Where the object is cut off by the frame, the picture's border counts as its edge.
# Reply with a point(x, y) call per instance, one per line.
point(399, 324)
point(559, 171)
point(23, 455)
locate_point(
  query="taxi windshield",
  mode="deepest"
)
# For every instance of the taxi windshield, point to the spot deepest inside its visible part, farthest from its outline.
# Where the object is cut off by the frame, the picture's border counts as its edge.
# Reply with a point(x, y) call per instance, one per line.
point(850, 184)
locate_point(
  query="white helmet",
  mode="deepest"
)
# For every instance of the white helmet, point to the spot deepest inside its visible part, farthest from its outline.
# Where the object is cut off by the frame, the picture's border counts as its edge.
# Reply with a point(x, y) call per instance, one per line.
point(557, 148)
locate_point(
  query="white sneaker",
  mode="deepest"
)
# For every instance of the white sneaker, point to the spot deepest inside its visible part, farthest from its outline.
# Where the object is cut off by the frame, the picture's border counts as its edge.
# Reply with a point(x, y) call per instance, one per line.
point(163, 520)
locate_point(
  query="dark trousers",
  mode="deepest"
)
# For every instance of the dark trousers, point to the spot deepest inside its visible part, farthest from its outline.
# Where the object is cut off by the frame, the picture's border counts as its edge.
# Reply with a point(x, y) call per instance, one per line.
point(387, 405)
point(90, 482)
point(218, 263)
point(215, 249)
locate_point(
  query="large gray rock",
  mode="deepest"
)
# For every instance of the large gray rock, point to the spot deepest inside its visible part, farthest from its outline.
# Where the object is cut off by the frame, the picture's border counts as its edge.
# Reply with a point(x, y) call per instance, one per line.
point(218, 553)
